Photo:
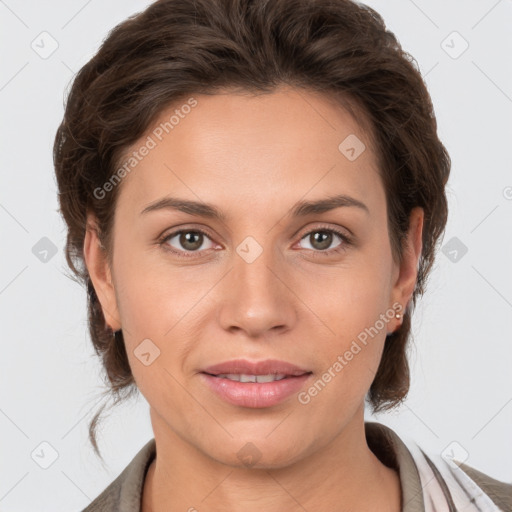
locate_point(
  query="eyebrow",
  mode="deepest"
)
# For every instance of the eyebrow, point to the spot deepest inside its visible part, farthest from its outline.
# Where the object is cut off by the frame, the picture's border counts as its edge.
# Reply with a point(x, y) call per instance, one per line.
point(300, 209)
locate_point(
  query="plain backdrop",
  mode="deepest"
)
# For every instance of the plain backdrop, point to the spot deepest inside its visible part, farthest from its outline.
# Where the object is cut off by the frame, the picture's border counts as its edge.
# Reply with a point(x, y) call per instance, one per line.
point(461, 354)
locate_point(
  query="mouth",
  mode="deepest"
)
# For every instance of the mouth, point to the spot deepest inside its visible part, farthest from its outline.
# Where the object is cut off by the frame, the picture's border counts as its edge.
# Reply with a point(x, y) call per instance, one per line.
point(270, 369)
point(260, 379)
point(255, 385)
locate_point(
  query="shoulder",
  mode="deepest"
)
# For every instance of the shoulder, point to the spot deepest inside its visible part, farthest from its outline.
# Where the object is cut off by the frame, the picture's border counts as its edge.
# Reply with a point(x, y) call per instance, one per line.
point(499, 492)
point(465, 487)
point(432, 482)
point(125, 492)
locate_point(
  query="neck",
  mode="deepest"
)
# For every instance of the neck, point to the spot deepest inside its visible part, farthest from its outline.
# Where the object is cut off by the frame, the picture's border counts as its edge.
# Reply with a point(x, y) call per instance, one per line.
point(343, 475)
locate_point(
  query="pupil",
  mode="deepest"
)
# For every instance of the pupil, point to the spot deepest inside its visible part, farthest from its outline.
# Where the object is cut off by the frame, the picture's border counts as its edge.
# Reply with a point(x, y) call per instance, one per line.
point(323, 239)
point(186, 240)
point(191, 240)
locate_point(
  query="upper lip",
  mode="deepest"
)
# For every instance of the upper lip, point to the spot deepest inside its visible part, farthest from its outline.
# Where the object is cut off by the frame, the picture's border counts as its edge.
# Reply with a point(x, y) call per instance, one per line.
point(244, 367)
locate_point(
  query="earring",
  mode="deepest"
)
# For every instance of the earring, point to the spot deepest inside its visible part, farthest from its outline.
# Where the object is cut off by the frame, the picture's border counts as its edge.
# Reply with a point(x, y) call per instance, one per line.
point(397, 316)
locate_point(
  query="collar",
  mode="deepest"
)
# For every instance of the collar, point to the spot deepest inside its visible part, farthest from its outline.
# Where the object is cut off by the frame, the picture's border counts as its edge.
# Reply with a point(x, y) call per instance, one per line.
point(125, 492)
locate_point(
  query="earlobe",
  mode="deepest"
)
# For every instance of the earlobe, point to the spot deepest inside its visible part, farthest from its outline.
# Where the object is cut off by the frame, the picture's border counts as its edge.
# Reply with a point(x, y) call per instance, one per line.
point(95, 257)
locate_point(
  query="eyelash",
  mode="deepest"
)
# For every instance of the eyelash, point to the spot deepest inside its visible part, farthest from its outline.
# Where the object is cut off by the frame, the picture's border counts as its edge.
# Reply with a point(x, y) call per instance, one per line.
point(346, 241)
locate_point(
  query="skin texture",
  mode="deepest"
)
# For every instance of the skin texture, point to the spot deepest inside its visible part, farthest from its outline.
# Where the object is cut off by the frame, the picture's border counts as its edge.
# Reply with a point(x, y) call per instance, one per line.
point(254, 157)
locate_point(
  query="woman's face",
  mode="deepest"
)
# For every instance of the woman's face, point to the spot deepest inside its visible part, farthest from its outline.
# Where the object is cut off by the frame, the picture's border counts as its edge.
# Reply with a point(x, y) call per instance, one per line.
point(271, 279)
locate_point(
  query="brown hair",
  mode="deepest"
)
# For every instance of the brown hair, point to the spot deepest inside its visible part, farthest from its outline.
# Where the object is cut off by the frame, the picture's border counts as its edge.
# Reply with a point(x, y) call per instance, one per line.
point(176, 48)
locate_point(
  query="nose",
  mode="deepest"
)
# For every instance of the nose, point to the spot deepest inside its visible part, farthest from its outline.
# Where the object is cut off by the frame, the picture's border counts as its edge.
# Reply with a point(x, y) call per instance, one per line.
point(257, 298)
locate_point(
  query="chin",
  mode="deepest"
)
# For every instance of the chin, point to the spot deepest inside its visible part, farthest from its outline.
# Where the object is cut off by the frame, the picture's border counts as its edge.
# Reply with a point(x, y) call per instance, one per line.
point(257, 452)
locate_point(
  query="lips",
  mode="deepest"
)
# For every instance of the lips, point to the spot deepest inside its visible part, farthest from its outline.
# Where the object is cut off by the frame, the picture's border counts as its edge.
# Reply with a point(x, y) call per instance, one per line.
point(260, 379)
point(255, 385)
point(267, 367)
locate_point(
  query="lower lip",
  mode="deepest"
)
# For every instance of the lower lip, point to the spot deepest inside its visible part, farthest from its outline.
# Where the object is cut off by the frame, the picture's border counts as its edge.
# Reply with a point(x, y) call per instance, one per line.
point(254, 394)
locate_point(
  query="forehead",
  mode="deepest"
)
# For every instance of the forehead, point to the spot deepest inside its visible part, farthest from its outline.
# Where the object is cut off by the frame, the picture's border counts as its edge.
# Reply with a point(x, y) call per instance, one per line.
point(244, 149)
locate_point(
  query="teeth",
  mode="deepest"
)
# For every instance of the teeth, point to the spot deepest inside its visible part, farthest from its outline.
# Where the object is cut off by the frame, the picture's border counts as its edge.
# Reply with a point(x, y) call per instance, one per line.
point(252, 378)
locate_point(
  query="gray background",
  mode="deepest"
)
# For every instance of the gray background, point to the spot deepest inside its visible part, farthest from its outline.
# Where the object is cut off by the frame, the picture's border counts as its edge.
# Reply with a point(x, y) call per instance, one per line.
point(461, 354)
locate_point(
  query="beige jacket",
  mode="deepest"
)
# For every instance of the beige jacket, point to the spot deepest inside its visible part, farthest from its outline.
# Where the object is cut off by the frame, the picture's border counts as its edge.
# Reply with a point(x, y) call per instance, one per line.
point(429, 484)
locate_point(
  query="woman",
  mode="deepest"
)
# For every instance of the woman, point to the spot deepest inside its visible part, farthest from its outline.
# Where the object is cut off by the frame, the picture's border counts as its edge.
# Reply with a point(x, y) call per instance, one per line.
point(254, 191)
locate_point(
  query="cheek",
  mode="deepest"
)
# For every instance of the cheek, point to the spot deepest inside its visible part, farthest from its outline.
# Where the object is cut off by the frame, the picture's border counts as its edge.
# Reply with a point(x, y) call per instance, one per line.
point(161, 309)
point(162, 302)
point(352, 297)
point(355, 311)
point(152, 294)
point(350, 353)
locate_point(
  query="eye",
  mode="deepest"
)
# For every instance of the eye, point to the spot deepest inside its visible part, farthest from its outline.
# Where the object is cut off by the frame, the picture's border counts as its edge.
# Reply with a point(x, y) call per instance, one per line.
point(321, 239)
point(186, 240)
point(190, 242)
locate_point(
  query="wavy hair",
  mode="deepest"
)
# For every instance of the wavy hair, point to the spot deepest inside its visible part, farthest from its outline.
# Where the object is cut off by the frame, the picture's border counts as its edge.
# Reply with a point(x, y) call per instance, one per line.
point(176, 48)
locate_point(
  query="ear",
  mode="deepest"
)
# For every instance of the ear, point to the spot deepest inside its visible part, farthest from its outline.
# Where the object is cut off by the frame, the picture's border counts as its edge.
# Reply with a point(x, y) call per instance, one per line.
point(407, 272)
point(100, 273)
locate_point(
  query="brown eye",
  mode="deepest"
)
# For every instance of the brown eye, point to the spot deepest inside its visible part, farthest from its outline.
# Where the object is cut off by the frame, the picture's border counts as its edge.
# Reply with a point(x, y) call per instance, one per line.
point(187, 241)
point(191, 240)
point(321, 239)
